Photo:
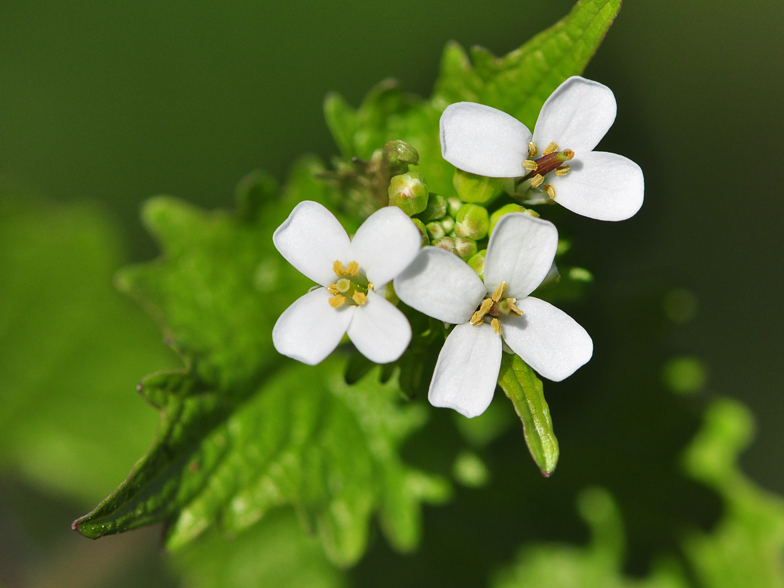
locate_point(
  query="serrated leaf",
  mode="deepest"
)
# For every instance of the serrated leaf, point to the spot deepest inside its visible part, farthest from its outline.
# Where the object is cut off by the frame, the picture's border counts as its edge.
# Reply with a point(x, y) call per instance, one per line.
point(244, 430)
point(68, 340)
point(525, 390)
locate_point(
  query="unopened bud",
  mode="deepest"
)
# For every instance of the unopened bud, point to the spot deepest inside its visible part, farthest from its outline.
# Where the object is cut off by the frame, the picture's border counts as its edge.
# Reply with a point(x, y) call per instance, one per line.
point(477, 189)
point(408, 192)
point(472, 221)
point(454, 204)
point(465, 247)
point(477, 263)
point(436, 208)
point(435, 230)
point(448, 223)
point(508, 209)
point(446, 243)
point(401, 151)
point(422, 231)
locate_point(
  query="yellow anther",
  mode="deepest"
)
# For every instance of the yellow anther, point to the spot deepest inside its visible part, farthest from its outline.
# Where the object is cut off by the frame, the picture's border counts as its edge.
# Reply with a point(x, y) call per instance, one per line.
point(551, 148)
point(563, 170)
point(530, 165)
point(496, 324)
point(550, 191)
point(343, 285)
point(370, 286)
point(352, 269)
point(333, 289)
point(532, 150)
point(479, 315)
point(359, 298)
point(338, 268)
point(537, 180)
point(513, 310)
point(337, 301)
point(499, 291)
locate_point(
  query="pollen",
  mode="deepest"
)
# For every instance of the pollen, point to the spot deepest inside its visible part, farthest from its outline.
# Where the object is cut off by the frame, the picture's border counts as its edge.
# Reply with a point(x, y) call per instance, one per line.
point(333, 289)
point(563, 170)
point(352, 269)
point(537, 180)
point(530, 165)
point(497, 327)
point(359, 298)
point(337, 301)
point(532, 150)
point(550, 191)
point(499, 291)
point(551, 148)
point(338, 268)
point(479, 315)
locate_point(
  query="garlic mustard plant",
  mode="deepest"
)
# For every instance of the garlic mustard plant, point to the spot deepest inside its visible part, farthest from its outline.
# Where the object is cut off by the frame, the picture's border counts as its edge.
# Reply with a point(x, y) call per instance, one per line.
point(520, 253)
point(558, 161)
point(352, 274)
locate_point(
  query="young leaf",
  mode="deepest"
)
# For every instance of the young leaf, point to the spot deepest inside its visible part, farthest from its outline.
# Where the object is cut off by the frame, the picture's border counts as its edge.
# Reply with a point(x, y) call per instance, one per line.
point(524, 389)
point(243, 430)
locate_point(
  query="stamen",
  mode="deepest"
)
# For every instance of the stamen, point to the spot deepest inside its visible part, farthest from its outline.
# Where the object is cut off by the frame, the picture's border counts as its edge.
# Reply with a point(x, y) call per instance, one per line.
point(333, 289)
point(551, 148)
point(530, 165)
point(337, 301)
point(513, 310)
point(359, 298)
point(343, 285)
point(371, 287)
point(532, 150)
point(479, 315)
point(337, 267)
point(352, 269)
point(496, 324)
point(563, 170)
point(537, 180)
point(499, 291)
point(550, 191)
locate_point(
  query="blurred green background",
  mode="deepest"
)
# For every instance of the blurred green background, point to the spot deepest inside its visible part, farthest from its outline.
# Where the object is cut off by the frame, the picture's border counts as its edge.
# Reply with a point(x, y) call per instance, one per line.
point(110, 103)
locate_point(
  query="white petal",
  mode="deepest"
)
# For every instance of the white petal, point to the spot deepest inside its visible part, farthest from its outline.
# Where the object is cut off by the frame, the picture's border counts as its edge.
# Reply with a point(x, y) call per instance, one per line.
point(441, 285)
point(520, 252)
point(484, 141)
point(379, 330)
point(547, 339)
point(576, 116)
point(310, 329)
point(604, 186)
point(311, 240)
point(467, 370)
point(385, 244)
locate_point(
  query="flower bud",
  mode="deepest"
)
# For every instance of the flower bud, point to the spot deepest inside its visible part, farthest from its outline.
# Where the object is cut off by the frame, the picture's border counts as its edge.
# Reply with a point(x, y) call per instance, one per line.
point(422, 231)
point(436, 208)
point(477, 263)
point(465, 247)
point(435, 230)
point(453, 206)
point(472, 221)
point(401, 151)
point(509, 208)
point(478, 189)
point(448, 223)
point(408, 192)
point(446, 243)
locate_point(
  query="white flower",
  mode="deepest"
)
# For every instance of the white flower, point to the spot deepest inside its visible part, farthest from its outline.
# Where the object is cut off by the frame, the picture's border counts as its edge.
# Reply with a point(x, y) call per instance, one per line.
point(439, 284)
point(314, 242)
point(487, 142)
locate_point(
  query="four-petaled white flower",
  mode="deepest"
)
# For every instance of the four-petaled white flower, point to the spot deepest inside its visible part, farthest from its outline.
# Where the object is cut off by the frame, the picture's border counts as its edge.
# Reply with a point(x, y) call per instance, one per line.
point(487, 142)
point(439, 284)
point(315, 243)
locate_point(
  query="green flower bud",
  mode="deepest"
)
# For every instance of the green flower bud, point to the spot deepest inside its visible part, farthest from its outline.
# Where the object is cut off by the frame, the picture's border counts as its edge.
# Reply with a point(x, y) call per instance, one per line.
point(401, 151)
point(435, 230)
point(408, 192)
point(465, 247)
point(422, 231)
point(477, 263)
point(478, 189)
point(472, 221)
point(447, 243)
point(448, 223)
point(454, 204)
point(508, 209)
point(436, 208)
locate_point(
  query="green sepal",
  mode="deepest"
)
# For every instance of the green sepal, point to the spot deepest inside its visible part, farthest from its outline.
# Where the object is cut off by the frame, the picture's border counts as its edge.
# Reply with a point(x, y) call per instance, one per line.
point(525, 390)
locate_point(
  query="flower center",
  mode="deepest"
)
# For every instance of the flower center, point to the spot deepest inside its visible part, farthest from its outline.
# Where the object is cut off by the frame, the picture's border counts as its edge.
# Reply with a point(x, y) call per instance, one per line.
point(494, 307)
point(553, 159)
point(351, 287)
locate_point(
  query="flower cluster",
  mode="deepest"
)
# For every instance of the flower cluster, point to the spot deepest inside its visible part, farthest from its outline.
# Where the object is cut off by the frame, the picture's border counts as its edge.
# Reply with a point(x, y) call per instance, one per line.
point(485, 293)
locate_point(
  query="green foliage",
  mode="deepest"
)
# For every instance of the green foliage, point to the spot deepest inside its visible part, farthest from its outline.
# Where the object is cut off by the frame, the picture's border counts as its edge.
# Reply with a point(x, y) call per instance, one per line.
point(244, 431)
point(525, 390)
point(72, 350)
